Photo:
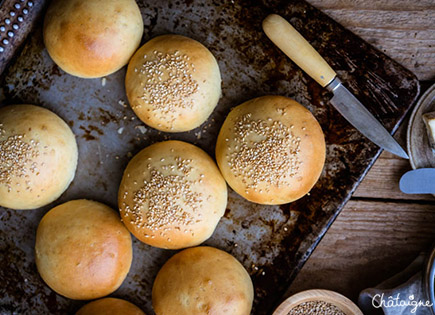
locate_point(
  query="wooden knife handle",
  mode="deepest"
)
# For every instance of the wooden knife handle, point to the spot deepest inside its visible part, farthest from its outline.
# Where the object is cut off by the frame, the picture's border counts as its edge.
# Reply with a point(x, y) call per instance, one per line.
point(283, 35)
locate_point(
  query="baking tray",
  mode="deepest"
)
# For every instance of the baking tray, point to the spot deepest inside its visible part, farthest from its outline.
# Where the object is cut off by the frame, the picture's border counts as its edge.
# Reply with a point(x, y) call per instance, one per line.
point(272, 242)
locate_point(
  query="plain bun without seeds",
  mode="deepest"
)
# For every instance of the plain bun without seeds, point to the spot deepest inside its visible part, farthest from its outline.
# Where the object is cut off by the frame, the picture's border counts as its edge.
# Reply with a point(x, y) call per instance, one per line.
point(202, 280)
point(92, 38)
point(82, 250)
point(110, 306)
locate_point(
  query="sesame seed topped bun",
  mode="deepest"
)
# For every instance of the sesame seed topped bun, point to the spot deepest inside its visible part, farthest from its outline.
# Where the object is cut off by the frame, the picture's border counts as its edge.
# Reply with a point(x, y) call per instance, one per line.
point(202, 280)
point(271, 150)
point(110, 306)
point(92, 38)
point(82, 250)
point(38, 156)
point(172, 195)
point(173, 83)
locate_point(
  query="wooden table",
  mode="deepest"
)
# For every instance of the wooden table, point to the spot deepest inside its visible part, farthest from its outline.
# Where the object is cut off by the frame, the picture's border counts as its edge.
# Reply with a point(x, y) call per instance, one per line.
point(381, 230)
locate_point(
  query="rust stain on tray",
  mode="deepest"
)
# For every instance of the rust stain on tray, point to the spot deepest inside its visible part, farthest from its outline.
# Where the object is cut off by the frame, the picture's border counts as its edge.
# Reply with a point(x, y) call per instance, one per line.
point(272, 242)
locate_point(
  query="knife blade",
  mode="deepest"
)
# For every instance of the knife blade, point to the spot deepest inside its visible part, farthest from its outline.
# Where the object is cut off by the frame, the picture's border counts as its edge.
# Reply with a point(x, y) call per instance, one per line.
point(419, 181)
point(288, 39)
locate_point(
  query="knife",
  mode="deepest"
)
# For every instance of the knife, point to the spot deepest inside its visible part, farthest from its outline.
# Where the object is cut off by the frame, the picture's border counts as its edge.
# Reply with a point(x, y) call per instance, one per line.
point(283, 35)
point(419, 181)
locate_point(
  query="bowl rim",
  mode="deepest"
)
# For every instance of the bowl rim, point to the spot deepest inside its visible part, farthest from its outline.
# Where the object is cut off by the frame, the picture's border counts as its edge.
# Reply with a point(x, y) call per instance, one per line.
point(427, 96)
point(335, 298)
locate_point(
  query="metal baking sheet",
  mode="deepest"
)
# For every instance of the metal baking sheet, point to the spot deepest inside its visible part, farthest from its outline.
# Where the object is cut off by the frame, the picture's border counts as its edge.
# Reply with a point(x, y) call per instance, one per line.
point(272, 242)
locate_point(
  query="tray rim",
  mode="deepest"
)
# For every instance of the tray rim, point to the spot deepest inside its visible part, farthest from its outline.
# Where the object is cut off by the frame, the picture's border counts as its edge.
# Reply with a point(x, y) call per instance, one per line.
point(322, 231)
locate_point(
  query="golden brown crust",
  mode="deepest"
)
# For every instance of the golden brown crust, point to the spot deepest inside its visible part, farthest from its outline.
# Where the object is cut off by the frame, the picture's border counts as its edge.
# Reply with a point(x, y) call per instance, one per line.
point(110, 306)
point(38, 156)
point(172, 195)
point(82, 250)
point(271, 150)
point(173, 83)
point(202, 280)
point(92, 38)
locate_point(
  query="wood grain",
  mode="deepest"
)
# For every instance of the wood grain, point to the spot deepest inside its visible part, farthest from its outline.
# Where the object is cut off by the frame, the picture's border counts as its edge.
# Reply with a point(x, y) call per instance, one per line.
point(297, 48)
point(368, 243)
point(372, 240)
point(381, 230)
point(382, 181)
point(402, 29)
point(269, 243)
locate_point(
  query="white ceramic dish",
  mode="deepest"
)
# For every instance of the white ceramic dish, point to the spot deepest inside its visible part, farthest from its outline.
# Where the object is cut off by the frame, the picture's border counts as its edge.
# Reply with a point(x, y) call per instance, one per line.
point(420, 154)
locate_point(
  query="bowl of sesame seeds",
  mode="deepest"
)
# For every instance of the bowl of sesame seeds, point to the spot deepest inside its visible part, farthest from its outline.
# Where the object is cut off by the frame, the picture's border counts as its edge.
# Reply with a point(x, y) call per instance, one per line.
point(317, 302)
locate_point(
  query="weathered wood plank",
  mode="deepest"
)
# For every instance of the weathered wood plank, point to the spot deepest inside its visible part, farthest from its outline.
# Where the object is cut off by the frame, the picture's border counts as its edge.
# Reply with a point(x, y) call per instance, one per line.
point(378, 4)
point(368, 243)
point(403, 29)
point(382, 181)
point(372, 240)
point(385, 19)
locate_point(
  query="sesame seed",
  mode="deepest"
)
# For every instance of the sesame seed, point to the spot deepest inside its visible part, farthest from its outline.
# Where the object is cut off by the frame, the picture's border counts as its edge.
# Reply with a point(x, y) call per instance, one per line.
point(264, 151)
point(141, 128)
point(168, 83)
point(169, 199)
point(122, 103)
point(16, 158)
point(315, 308)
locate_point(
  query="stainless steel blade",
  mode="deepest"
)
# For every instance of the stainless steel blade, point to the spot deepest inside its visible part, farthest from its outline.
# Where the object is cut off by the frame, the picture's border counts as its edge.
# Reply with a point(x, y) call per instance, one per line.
point(355, 112)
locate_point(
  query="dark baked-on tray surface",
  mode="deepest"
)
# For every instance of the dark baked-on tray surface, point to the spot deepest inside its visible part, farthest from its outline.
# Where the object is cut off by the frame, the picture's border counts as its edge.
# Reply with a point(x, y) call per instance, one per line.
point(272, 242)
